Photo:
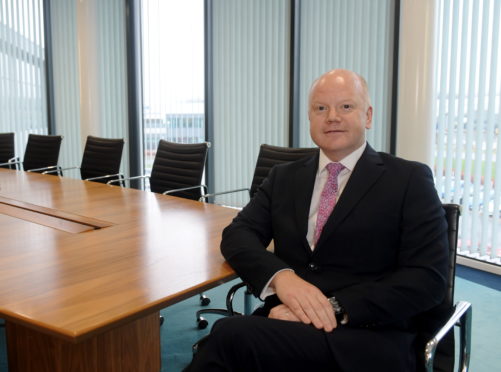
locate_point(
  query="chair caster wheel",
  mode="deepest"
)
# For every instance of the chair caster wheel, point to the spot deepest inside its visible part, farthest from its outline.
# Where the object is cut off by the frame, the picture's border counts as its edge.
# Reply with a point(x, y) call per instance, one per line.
point(204, 300)
point(202, 323)
point(162, 319)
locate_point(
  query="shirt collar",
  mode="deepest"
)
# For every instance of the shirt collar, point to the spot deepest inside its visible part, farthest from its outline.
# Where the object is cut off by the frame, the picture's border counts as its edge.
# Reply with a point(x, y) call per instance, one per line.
point(348, 162)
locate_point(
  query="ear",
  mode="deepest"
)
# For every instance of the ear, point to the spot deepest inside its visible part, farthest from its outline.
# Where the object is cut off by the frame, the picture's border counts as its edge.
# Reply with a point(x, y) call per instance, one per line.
point(368, 121)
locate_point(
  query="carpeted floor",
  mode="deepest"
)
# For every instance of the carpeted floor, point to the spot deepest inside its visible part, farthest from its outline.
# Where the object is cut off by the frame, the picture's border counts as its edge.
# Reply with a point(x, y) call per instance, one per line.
point(483, 290)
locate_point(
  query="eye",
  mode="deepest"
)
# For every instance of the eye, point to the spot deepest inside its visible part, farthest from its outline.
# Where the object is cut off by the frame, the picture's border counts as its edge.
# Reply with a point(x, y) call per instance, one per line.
point(347, 107)
point(321, 108)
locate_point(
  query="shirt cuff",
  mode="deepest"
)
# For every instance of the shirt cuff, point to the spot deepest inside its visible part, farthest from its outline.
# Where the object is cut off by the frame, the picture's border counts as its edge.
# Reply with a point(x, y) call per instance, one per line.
point(267, 291)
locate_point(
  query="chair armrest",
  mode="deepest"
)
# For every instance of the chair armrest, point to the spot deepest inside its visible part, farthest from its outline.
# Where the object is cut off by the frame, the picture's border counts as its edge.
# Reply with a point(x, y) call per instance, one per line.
point(184, 189)
point(205, 196)
point(231, 294)
point(12, 161)
point(121, 180)
point(59, 171)
point(118, 175)
point(50, 169)
point(462, 318)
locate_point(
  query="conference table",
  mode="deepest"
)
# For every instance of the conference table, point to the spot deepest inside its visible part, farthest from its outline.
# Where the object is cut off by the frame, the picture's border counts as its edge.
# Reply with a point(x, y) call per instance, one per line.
point(85, 269)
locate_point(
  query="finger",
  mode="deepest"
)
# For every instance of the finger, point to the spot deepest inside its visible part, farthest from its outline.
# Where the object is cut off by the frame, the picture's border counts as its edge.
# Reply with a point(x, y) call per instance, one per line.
point(315, 312)
point(318, 309)
point(326, 314)
point(298, 310)
point(282, 312)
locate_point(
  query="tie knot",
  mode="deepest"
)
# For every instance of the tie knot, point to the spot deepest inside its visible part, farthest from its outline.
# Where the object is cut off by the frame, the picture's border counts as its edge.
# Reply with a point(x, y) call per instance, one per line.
point(334, 169)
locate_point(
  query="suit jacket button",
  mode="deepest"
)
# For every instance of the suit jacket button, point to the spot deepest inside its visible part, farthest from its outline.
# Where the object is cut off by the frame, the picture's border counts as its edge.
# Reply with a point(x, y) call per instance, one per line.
point(313, 267)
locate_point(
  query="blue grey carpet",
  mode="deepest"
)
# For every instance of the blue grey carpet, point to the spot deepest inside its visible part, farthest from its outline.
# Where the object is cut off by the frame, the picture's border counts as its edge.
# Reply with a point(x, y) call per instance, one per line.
point(179, 331)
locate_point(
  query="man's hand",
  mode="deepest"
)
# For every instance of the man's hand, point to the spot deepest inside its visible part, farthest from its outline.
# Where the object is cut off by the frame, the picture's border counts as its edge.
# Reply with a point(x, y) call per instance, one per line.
point(303, 301)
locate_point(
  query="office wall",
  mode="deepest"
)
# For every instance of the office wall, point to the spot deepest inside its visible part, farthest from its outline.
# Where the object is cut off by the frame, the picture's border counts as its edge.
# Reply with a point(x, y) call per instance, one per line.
point(415, 121)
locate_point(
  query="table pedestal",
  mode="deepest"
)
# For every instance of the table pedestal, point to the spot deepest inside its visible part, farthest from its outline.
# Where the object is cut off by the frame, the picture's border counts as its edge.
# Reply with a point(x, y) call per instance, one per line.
point(133, 347)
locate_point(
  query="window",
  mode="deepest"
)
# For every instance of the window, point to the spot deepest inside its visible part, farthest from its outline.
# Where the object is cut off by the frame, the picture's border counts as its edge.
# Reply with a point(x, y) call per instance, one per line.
point(357, 35)
point(172, 73)
point(22, 69)
point(468, 151)
point(251, 89)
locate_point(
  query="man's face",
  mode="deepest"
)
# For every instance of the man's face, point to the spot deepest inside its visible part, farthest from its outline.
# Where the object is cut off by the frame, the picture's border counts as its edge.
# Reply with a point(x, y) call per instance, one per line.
point(339, 114)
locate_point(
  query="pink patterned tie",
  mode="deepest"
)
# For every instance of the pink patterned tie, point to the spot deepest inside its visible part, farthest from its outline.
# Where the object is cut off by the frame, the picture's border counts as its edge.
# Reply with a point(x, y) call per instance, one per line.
point(327, 198)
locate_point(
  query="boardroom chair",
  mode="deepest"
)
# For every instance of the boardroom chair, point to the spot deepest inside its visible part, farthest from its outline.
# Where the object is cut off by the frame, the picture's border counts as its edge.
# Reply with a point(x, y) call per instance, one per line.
point(177, 169)
point(7, 152)
point(41, 151)
point(268, 157)
point(435, 343)
point(100, 161)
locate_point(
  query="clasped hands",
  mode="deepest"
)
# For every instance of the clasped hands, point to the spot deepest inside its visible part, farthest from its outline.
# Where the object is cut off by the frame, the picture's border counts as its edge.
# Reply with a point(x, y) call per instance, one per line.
point(301, 302)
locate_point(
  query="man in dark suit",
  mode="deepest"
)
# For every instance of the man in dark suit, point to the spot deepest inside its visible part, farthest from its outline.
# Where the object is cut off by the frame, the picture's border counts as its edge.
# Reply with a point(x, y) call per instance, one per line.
point(360, 251)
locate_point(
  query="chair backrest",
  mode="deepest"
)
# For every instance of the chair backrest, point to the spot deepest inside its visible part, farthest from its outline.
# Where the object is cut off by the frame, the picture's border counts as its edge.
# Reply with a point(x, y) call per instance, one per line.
point(179, 165)
point(101, 157)
point(6, 148)
point(432, 320)
point(41, 151)
point(269, 156)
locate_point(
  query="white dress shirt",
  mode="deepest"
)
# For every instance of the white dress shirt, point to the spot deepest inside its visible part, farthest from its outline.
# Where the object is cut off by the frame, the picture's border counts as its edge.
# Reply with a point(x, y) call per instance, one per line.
point(349, 163)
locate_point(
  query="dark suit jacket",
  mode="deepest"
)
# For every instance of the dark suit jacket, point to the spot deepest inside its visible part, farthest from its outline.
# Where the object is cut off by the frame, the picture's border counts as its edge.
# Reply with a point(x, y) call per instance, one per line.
point(382, 253)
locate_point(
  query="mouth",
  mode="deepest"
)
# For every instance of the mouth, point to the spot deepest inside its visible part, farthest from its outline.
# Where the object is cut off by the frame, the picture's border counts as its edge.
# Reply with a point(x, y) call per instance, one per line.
point(333, 131)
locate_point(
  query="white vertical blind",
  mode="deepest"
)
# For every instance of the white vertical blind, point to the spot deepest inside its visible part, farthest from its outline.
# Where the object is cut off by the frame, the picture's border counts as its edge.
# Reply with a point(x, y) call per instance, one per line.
point(66, 82)
point(23, 101)
point(173, 73)
point(112, 73)
point(90, 53)
point(468, 151)
point(356, 35)
point(251, 89)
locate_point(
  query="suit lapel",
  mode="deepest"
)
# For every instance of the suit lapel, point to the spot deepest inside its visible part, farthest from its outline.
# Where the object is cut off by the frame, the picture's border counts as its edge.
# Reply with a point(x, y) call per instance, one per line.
point(367, 171)
point(304, 180)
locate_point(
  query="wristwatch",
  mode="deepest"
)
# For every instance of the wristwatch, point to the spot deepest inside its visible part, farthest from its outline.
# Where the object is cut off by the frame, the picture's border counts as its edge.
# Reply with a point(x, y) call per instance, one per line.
point(339, 312)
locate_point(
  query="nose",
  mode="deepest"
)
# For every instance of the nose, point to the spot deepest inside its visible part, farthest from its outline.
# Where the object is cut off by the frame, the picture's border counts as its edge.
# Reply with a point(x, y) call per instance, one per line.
point(332, 115)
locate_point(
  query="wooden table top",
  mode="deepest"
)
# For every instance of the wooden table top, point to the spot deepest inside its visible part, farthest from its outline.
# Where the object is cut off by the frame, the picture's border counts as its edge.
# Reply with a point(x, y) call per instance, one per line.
point(142, 252)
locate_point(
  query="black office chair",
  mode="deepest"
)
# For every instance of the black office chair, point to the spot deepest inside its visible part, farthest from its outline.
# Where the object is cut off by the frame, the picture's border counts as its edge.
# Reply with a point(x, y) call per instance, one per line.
point(268, 157)
point(41, 151)
point(100, 161)
point(177, 169)
point(435, 343)
point(7, 154)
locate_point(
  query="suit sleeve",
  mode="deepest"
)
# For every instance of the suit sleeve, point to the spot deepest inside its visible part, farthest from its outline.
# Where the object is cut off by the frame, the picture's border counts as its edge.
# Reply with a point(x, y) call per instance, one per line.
point(245, 240)
point(418, 283)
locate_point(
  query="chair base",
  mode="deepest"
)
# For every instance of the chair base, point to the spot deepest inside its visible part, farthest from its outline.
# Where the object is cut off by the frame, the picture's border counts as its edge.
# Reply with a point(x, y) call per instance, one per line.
point(202, 323)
